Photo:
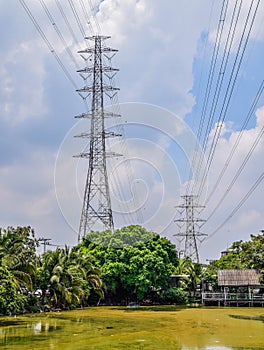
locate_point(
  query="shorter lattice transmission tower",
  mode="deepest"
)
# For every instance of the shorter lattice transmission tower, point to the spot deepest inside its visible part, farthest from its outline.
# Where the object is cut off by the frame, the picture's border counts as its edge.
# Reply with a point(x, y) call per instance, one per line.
point(190, 208)
point(96, 202)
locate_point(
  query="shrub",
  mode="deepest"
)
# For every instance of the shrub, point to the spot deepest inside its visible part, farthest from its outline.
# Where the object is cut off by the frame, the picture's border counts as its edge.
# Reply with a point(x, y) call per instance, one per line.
point(173, 295)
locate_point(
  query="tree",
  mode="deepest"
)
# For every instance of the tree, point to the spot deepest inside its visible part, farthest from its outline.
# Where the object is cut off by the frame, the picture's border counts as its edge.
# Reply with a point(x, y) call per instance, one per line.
point(242, 255)
point(134, 261)
point(11, 301)
point(18, 254)
point(252, 252)
point(68, 277)
point(91, 281)
point(191, 274)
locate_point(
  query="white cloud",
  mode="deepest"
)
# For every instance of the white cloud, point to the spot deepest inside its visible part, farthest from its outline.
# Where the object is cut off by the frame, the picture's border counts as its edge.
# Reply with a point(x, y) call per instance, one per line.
point(158, 43)
point(249, 218)
point(22, 84)
point(156, 60)
point(246, 15)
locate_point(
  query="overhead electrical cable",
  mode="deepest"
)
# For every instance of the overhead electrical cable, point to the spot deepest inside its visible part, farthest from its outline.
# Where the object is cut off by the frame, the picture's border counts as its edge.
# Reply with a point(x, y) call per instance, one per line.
point(45, 39)
point(95, 18)
point(87, 17)
point(127, 162)
point(238, 139)
point(221, 76)
point(77, 17)
point(52, 21)
point(198, 96)
point(240, 204)
point(229, 93)
point(65, 18)
point(222, 71)
point(209, 83)
point(239, 171)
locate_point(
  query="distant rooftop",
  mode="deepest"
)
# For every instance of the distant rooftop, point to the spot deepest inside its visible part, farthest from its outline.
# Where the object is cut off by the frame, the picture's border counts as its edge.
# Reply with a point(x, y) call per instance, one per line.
point(238, 278)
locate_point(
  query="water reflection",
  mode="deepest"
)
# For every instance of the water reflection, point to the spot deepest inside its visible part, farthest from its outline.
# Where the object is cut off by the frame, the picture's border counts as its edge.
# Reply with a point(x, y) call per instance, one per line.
point(43, 327)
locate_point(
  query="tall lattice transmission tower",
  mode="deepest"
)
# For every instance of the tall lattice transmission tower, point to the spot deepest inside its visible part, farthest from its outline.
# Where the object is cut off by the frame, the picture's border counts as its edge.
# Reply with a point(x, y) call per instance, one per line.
point(98, 70)
point(190, 208)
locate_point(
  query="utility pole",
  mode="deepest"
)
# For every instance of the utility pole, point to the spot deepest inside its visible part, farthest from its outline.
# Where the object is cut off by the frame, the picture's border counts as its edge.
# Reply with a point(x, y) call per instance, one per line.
point(190, 208)
point(44, 242)
point(96, 201)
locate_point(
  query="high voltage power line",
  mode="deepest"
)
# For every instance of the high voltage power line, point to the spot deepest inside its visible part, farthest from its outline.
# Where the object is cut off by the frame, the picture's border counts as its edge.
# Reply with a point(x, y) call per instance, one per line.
point(230, 84)
point(238, 140)
point(47, 42)
point(87, 10)
point(87, 17)
point(249, 154)
point(83, 13)
point(239, 171)
point(69, 26)
point(197, 163)
point(242, 201)
point(208, 87)
point(72, 57)
point(229, 92)
point(222, 70)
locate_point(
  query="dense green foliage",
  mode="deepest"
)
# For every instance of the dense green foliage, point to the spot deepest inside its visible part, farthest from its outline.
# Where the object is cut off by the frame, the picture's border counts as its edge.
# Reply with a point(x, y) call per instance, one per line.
point(174, 295)
point(135, 263)
point(191, 274)
point(242, 255)
point(128, 265)
point(18, 255)
point(68, 277)
point(11, 301)
point(58, 279)
point(18, 267)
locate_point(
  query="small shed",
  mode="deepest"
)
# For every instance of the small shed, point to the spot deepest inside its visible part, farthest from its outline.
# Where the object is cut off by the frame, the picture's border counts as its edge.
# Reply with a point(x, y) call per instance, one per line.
point(175, 280)
point(238, 278)
point(239, 287)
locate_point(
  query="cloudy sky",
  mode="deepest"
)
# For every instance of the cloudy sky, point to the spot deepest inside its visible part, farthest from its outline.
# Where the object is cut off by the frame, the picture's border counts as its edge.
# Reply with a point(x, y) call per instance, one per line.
point(179, 65)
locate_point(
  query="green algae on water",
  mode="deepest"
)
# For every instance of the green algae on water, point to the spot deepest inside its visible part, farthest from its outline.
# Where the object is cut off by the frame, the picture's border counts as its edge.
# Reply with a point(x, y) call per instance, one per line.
point(153, 328)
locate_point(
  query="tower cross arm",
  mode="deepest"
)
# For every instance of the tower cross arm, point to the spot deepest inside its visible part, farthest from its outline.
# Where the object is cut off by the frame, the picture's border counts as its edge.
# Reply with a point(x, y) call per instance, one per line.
point(104, 69)
point(97, 89)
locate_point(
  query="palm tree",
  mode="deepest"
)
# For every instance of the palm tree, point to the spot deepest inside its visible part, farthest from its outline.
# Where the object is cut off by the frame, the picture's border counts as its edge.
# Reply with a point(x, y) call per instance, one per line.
point(89, 273)
point(69, 277)
point(18, 255)
point(190, 273)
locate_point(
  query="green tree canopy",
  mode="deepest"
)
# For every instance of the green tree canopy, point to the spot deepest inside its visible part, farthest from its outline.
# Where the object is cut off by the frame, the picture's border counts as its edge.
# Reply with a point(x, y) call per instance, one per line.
point(242, 255)
point(68, 276)
point(18, 254)
point(11, 301)
point(133, 261)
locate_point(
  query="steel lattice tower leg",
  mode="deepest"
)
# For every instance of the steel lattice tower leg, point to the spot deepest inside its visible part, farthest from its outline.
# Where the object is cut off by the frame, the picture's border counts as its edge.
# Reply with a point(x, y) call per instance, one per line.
point(190, 221)
point(96, 201)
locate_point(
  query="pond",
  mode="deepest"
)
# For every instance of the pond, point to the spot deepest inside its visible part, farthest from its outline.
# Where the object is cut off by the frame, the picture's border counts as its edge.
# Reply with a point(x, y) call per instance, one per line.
point(151, 328)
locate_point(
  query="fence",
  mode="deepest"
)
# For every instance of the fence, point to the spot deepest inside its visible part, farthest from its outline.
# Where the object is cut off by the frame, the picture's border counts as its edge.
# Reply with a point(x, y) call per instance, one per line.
point(225, 298)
